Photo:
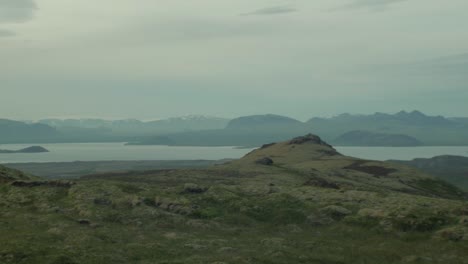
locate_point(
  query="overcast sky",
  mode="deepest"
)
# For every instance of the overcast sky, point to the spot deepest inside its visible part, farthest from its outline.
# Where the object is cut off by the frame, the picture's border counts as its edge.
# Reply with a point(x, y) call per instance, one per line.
point(152, 59)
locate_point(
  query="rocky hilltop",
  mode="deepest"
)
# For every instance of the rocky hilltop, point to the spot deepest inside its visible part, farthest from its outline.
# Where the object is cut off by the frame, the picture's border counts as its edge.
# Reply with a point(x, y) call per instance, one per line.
point(297, 201)
point(312, 158)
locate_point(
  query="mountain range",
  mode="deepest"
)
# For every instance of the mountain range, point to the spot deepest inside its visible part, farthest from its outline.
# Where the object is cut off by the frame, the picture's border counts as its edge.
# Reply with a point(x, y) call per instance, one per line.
point(379, 129)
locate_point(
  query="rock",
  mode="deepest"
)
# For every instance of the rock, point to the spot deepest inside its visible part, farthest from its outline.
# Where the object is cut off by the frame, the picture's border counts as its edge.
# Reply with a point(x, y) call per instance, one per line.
point(194, 188)
point(201, 224)
point(319, 220)
point(464, 221)
point(272, 242)
point(55, 231)
point(416, 259)
point(170, 235)
point(84, 222)
point(291, 228)
point(102, 201)
point(317, 182)
point(372, 213)
point(195, 246)
point(173, 206)
point(336, 212)
point(227, 249)
point(265, 161)
point(451, 233)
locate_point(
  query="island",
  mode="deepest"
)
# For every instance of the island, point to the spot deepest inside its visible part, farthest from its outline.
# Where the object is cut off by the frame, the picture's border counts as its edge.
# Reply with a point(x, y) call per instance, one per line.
point(32, 149)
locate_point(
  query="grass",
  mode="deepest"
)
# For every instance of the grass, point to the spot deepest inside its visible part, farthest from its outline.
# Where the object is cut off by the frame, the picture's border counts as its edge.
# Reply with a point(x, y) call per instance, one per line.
point(264, 228)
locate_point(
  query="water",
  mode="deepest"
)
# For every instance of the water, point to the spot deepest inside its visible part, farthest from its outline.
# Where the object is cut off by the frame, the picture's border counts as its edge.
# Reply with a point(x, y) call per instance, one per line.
point(68, 152)
point(401, 153)
point(118, 151)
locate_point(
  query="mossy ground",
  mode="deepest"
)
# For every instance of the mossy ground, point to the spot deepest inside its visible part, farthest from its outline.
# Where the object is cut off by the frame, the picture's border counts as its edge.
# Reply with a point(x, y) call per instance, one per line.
point(152, 219)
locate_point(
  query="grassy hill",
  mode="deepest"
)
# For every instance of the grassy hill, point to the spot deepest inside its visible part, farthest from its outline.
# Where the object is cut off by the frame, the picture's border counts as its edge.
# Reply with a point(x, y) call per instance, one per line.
point(453, 169)
point(298, 201)
point(8, 175)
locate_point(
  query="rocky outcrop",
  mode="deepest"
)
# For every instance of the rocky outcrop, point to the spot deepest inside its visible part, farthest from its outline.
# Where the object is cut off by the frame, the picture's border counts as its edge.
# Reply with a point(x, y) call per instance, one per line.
point(309, 138)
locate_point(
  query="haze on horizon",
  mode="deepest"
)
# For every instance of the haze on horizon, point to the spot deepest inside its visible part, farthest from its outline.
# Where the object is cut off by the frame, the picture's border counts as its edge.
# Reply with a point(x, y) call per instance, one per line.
point(157, 59)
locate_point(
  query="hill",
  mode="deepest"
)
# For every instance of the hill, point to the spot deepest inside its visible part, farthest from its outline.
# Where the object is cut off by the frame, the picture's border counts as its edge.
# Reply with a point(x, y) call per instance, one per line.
point(366, 138)
point(453, 169)
point(8, 175)
point(297, 201)
point(311, 156)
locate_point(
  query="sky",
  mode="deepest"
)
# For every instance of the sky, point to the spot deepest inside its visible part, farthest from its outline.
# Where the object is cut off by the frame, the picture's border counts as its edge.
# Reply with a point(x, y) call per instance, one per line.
point(150, 59)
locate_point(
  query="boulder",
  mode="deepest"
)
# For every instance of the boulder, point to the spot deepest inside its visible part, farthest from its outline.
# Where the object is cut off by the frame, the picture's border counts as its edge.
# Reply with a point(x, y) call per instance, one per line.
point(265, 161)
point(194, 188)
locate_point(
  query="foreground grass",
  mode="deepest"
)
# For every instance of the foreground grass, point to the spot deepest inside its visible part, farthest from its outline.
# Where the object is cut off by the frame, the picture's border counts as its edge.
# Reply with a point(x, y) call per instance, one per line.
point(155, 221)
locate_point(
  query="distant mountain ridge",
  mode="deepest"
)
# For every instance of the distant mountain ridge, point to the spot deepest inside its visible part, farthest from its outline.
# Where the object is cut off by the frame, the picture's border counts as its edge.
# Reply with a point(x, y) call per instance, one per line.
point(410, 118)
point(399, 129)
point(430, 130)
point(19, 132)
point(366, 138)
point(191, 122)
point(263, 122)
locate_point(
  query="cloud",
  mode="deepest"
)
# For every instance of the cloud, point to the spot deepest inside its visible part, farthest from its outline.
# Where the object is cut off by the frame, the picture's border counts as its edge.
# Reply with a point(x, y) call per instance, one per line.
point(374, 5)
point(16, 11)
point(274, 10)
point(6, 33)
